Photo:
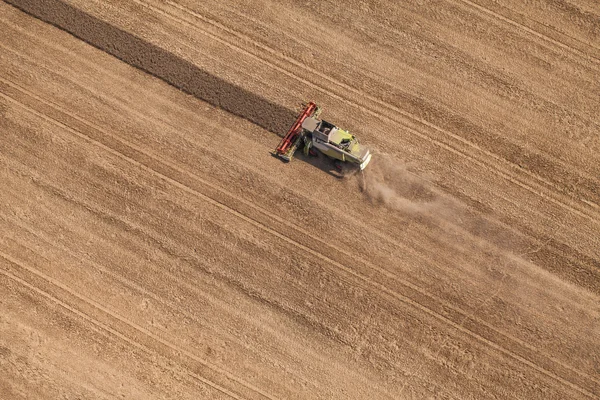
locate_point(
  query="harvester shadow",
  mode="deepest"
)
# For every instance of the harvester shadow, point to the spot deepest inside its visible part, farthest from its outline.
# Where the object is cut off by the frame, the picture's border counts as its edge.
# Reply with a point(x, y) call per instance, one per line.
point(321, 162)
point(161, 63)
point(172, 69)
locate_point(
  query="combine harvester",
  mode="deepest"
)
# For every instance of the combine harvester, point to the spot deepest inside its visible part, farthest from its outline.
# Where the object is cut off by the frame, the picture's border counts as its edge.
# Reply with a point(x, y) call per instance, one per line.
point(312, 133)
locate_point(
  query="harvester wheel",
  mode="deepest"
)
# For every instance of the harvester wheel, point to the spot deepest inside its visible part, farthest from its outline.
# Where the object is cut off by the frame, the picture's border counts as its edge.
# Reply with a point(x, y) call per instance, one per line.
point(338, 166)
point(313, 153)
point(307, 144)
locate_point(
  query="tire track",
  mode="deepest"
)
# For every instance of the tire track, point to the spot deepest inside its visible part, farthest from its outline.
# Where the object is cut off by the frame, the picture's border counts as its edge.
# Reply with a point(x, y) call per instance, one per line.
point(381, 235)
point(135, 287)
point(170, 127)
point(568, 203)
point(303, 244)
point(162, 242)
point(496, 15)
point(455, 143)
point(138, 333)
point(483, 10)
point(166, 124)
point(505, 173)
point(511, 153)
point(167, 171)
point(180, 281)
point(372, 231)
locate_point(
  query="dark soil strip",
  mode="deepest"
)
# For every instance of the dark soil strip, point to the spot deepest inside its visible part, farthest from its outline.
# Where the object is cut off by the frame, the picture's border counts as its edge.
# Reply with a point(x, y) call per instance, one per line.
point(159, 62)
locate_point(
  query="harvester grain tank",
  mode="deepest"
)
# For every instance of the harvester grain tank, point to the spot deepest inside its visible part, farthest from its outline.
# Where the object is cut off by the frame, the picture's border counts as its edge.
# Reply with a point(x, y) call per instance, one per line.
point(311, 133)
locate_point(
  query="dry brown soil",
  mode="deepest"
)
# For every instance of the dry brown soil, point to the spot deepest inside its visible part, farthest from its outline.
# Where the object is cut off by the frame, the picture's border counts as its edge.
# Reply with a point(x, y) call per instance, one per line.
point(151, 246)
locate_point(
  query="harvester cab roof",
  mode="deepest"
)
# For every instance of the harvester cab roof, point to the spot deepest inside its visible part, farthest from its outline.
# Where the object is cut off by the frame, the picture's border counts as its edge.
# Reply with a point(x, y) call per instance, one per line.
point(321, 130)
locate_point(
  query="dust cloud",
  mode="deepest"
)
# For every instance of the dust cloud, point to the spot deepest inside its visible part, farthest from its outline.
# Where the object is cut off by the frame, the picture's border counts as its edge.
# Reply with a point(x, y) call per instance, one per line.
point(391, 183)
point(400, 187)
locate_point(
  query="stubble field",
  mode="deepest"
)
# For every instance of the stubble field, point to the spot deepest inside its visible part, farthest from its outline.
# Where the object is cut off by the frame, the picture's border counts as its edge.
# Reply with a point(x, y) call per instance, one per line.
point(151, 246)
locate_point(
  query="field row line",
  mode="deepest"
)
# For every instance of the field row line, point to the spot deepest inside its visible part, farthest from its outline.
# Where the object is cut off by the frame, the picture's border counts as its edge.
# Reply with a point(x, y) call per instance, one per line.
point(455, 143)
point(93, 306)
point(166, 343)
point(382, 235)
point(391, 240)
point(494, 14)
point(562, 163)
point(145, 234)
point(167, 125)
point(165, 170)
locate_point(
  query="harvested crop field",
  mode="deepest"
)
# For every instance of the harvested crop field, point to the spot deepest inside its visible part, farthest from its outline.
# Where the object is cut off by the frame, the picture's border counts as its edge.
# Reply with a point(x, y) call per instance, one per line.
point(151, 246)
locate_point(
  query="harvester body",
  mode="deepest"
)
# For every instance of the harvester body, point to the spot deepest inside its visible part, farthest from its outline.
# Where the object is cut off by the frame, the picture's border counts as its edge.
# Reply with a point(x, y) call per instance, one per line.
point(313, 133)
